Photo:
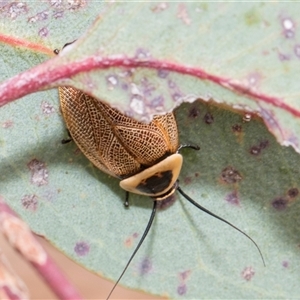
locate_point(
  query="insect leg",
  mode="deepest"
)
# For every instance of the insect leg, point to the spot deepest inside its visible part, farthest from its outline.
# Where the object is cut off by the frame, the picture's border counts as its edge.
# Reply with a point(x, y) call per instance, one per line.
point(126, 202)
point(68, 140)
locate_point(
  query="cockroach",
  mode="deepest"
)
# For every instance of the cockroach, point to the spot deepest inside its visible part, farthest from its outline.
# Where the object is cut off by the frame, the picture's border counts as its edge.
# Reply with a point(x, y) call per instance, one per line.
point(145, 157)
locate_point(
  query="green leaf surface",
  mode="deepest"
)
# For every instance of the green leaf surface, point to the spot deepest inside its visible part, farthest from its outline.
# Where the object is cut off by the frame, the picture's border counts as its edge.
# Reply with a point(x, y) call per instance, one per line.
point(147, 58)
point(246, 56)
point(240, 173)
point(80, 209)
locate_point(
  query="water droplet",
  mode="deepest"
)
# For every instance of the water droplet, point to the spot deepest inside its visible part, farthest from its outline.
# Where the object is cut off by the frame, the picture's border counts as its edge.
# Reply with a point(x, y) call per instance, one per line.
point(247, 117)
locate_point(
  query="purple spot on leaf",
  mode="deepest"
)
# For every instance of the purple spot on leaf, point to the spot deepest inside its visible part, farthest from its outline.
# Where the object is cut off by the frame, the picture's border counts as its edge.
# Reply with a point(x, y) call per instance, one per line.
point(176, 96)
point(58, 14)
point(7, 124)
point(147, 87)
point(129, 241)
point(47, 108)
point(256, 150)
point(289, 34)
point(183, 14)
point(285, 264)
point(208, 118)
point(270, 119)
point(297, 50)
point(82, 248)
point(293, 192)
point(280, 203)
point(124, 86)
point(248, 273)
point(41, 16)
point(164, 204)
point(183, 276)
point(230, 175)
point(288, 28)
point(158, 101)
point(284, 57)
point(76, 4)
point(264, 144)
point(171, 84)
point(162, 73)
point(182, 289)
point(194, 112)
point(56, 3)
point(30, 202)
point(39, 172)
point(187, 180)
point(43, 32)
point(145, 266)
point(233, 198)
point(254, 79)
point(160, 7)
point(14, 9)
point(237, 128)
point(142, 54)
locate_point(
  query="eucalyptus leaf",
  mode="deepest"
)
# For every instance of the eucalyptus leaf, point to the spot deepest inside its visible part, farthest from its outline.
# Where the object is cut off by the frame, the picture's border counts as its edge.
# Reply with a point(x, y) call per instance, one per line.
point(241, 173)
point(80, 209)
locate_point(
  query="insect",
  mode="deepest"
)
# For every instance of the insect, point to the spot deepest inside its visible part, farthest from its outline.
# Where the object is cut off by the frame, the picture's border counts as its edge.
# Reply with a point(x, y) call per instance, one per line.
point(145, 157)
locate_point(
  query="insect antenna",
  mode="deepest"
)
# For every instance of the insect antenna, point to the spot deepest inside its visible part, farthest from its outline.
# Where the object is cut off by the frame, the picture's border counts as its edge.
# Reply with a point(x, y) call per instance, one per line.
point(221, 219)
point(137, 247)
point(195, 147)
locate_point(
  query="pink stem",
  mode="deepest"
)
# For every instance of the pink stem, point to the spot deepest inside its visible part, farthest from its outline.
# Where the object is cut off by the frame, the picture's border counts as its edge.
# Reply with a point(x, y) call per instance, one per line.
point(50, 72)
point(20, 236)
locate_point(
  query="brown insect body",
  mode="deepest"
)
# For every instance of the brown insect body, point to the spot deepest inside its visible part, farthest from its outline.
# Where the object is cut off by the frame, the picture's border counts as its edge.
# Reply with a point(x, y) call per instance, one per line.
point(123, 147)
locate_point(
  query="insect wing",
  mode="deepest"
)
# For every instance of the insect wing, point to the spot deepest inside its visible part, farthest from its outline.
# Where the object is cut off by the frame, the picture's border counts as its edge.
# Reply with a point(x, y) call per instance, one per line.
point(92, 133)
point(146, 143)
point(113, 142)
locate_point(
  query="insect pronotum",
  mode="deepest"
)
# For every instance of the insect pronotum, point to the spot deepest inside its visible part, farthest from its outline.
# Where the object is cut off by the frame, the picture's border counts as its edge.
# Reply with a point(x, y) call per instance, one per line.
point(145, 157)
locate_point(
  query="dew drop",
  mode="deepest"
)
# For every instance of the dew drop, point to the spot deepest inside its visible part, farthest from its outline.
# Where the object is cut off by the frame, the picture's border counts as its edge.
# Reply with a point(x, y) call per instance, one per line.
point(247, 117)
